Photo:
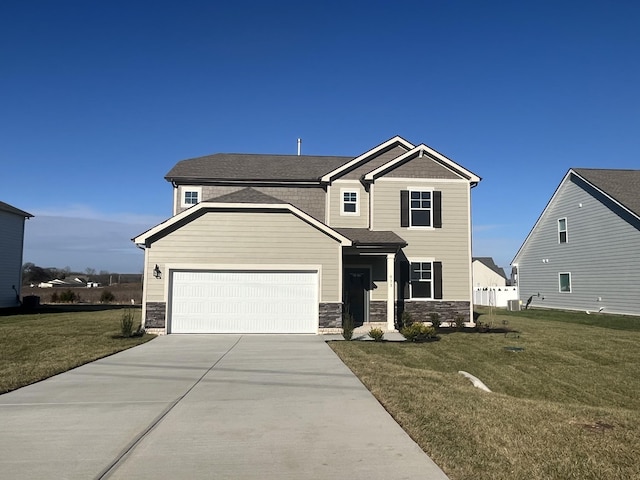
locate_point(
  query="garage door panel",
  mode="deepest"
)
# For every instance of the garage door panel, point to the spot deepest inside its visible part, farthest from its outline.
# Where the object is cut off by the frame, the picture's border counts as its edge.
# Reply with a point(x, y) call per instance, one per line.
point(244, 302)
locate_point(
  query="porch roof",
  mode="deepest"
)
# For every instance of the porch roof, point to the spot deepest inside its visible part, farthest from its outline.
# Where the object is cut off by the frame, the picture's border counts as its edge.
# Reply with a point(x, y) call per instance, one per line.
point(372, 238)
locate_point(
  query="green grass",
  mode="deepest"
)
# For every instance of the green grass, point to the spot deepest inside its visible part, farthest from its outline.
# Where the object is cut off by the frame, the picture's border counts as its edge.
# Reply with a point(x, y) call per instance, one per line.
point(39, 345)
point(565, 407)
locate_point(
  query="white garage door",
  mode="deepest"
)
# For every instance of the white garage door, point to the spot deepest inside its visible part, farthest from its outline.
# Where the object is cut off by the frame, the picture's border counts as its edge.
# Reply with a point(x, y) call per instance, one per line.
point(244, 302)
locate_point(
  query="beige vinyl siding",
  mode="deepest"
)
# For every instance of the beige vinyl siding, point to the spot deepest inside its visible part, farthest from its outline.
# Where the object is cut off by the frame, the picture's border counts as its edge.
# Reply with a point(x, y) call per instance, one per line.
point(247, 238)
point(449, 244)
point(374, 163)
point(336, 219)
point(310, 200)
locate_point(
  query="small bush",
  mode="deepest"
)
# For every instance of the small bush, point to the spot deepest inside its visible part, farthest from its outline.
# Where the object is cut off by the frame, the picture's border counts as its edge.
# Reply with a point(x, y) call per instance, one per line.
point(418, 332)
point(435, 319)
point(68, 297)
point(54, 297)
point(347, 326)
point(406, 320)
point(459, 321)
point(377, 334)
point(107, 297)
point(126, 323)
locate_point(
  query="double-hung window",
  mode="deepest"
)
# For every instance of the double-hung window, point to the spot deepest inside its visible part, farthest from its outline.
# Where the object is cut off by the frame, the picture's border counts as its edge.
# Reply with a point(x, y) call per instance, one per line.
point(562, 230)
point(349, 202)
point(421, 279)
point(420, 208)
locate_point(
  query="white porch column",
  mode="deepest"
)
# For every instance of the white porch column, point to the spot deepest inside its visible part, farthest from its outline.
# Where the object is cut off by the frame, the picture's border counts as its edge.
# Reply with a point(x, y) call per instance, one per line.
point(391, 304)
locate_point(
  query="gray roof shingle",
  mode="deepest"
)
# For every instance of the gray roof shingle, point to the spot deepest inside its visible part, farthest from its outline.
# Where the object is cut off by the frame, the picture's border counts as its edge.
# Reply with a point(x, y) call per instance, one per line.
point(621, 185)
point(255, 167)
point(364, 236)
point(246, 195)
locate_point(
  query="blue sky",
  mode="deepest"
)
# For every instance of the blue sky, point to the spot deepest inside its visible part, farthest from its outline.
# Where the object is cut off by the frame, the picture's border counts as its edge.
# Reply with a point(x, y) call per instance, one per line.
point(100, 99)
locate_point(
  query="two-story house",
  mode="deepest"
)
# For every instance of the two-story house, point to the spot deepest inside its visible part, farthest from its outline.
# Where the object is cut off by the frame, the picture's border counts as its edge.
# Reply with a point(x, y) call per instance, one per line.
point(583, 252)
point(290, 243)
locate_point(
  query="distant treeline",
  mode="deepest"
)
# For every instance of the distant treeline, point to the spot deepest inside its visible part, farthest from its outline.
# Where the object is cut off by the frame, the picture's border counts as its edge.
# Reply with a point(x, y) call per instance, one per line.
point(34, 274)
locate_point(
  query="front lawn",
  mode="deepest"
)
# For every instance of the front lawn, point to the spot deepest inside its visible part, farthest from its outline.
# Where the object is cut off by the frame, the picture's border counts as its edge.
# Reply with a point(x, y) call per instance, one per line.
point(567, 406)
point(34, 346)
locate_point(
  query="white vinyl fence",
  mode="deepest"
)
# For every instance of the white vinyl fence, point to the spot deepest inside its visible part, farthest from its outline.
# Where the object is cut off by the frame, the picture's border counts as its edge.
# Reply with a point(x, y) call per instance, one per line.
point(494, 296)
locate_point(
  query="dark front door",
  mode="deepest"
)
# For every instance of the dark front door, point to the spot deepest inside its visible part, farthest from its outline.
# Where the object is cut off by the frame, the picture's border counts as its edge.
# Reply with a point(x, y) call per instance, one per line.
point(357, 283)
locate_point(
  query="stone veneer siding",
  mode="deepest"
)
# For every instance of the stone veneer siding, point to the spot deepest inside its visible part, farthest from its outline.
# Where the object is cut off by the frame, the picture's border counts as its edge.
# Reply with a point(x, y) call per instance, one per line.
point(156, 315)
point(448, 310)
point(330, 315)
point(377, 311)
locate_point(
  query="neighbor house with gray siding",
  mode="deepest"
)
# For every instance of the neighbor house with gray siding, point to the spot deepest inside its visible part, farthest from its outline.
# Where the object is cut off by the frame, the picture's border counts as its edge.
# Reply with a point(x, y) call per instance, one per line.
point(11, 243)
point(290, 243)
point(583, 253)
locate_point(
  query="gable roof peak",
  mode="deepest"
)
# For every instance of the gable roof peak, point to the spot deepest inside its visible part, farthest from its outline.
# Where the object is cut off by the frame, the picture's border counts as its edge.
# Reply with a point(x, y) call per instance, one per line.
point(246, 195)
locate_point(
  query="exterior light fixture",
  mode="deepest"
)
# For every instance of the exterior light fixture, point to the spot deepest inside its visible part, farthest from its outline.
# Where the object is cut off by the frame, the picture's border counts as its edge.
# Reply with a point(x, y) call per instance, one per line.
point(156, 272)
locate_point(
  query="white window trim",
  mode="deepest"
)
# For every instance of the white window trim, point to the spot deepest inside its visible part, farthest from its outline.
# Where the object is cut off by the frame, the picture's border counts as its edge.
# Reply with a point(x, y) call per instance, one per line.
point(421, 260)
point(566, 230)
point(342, 203)
point(183, 192)
point(421, 227)
point(560, 283)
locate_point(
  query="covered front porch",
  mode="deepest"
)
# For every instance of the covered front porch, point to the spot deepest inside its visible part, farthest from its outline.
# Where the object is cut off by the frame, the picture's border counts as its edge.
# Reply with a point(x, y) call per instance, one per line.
point(368, 278)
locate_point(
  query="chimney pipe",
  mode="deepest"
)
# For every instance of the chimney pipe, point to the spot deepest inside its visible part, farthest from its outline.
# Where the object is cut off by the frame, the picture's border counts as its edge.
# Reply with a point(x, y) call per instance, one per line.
point(299, 143)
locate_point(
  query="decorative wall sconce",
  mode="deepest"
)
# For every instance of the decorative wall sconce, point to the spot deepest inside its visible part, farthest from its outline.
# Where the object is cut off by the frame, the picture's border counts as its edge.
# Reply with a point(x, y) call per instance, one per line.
point(156, 272)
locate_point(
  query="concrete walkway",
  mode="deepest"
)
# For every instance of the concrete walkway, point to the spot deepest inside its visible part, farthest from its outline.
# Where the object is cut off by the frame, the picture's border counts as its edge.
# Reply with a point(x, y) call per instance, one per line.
point(207, 407)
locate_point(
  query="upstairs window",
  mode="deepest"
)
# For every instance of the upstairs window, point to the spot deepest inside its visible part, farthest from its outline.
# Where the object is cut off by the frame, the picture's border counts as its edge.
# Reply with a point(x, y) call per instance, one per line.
point(349, 202)
point(562, 230)
point(191, 196)
point(420, 208)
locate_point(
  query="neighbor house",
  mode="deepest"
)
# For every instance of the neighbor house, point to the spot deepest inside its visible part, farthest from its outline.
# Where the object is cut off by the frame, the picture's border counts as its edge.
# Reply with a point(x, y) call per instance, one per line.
point(11, 244)
point(487, 274)
point(286, 243)
point(583, 252)
point(490, 284)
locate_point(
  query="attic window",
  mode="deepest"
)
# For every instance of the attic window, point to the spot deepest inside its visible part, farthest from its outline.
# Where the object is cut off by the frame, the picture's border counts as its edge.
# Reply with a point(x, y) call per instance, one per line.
point(191, 196)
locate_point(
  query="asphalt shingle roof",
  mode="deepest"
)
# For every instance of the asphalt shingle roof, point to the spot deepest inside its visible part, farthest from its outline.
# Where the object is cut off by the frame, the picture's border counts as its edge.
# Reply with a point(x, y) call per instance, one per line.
point(255, 167)
point(364, 236)
point(246, 195)
point(621, 185)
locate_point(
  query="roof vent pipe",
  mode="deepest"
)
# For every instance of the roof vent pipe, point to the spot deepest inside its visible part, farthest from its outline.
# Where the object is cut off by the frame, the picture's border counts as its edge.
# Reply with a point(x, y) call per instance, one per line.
point(421, 153)
point(299, 144)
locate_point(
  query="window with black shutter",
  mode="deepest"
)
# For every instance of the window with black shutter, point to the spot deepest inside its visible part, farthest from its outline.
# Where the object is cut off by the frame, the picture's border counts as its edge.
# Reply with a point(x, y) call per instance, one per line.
point(420, 208)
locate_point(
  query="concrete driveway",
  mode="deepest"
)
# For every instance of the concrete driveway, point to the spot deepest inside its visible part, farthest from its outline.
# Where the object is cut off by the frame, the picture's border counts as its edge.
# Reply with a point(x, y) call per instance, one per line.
point(207, 407)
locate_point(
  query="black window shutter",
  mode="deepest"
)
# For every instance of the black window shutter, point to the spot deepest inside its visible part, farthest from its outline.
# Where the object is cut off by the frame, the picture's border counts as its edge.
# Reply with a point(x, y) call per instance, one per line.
point(404, 208)
point(437, 280)
point(404, 279)
point(437, 209)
